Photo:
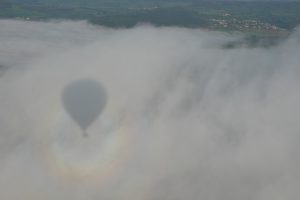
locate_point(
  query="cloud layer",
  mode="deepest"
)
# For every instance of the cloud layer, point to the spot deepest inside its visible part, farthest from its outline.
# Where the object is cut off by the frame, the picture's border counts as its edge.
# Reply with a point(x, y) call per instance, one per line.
point(185, 118)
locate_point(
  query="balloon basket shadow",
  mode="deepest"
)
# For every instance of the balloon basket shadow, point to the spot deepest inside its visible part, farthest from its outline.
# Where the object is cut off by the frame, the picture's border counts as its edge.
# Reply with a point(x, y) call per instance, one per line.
point(85, 134)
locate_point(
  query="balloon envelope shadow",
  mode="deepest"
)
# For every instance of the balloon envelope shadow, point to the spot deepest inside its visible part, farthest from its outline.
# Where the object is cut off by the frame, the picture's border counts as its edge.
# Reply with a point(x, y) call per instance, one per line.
point(84, 100)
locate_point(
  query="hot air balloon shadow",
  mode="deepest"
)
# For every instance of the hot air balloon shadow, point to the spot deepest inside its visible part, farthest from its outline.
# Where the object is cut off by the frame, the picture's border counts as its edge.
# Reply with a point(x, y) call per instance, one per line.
point(84, 100)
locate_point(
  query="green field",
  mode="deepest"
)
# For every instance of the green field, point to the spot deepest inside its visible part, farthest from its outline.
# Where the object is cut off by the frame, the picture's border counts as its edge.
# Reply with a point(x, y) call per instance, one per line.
point(273, 18)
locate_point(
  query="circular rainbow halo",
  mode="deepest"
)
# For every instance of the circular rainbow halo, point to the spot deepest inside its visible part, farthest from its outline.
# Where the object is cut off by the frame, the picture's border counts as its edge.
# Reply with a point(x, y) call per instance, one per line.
point(99, 157)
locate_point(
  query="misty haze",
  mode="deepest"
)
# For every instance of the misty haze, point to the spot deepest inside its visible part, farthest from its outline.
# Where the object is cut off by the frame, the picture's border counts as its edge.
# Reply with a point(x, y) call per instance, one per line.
point(170, 113)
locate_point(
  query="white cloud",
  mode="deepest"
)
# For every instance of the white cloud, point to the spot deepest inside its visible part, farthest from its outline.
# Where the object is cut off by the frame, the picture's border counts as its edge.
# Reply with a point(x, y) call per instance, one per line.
point(185, 118)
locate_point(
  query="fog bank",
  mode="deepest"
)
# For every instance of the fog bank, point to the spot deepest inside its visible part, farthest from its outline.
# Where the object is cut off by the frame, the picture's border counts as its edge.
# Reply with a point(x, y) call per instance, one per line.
point(184, 118)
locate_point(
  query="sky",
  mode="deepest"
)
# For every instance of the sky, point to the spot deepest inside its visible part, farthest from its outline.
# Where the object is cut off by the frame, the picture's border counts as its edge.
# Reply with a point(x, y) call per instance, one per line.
point(183, 118)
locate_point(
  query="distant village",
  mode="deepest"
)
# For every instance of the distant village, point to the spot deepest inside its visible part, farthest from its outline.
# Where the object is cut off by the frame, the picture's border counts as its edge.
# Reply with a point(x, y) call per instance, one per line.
point(228, 22)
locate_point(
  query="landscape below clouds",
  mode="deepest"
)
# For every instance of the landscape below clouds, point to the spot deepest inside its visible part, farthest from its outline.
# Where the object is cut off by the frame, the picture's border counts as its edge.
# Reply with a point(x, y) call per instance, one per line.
point(185, 118)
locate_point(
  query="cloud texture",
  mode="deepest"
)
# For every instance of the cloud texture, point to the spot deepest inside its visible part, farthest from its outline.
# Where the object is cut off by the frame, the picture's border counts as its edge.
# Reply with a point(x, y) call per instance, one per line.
point(185, 118)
